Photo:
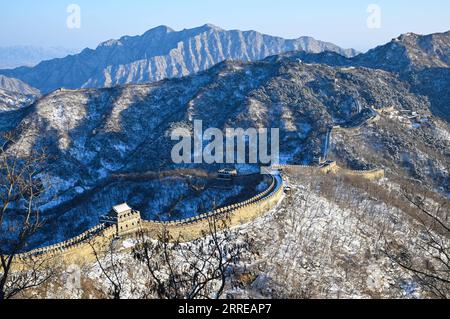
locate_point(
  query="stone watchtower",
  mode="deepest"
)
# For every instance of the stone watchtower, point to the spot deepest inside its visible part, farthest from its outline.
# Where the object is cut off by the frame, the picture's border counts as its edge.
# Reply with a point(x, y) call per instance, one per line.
point(124, 218)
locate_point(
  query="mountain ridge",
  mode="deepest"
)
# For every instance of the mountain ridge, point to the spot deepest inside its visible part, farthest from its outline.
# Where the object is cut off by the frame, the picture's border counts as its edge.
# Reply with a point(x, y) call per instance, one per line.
point(410, 51)
point(93, 134)
point(422, 61)
point(160, 53)
point(16, 86)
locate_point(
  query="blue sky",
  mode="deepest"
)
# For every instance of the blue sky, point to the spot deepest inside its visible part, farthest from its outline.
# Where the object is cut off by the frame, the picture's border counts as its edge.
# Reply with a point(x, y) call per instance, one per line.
point(43, 22)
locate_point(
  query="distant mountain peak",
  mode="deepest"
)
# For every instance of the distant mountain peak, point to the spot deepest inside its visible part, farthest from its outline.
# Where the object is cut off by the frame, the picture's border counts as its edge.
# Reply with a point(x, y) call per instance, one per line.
point(16, 86)
point(110, 43)
point(154, 32)
point(408, 35)
point(208, 27)
point(161, 53)
point(212, 26)
point(160, 29)
point(410, 51)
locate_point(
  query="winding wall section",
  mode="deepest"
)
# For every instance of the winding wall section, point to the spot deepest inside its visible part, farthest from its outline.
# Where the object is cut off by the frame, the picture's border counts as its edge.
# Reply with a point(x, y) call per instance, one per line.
point(79, 251)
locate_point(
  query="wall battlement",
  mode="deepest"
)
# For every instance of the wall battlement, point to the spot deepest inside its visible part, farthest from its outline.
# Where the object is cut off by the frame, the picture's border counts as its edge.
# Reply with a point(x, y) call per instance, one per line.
point(333, 167)
point(78, 250)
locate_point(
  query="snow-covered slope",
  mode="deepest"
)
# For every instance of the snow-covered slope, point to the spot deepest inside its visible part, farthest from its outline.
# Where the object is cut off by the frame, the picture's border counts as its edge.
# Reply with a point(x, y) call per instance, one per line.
point(16, 86)
point(410, 52)
point(15, 97)
point(422, 60)
point(332, 238)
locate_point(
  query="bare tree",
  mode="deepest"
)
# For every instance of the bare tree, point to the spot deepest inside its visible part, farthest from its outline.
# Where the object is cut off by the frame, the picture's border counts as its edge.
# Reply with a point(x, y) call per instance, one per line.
point(111, 266)
point(430, 264)
point(19, 219)
point(195, 270)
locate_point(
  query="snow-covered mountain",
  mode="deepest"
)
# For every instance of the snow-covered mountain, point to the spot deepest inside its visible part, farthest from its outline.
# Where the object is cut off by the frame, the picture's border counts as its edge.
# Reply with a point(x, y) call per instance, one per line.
point(16, 86)
point(103, 142)
point(158, 54)
point(14, 95)
point(27, 55)
point(334, 234)
point(421, 60)
point(410, 51)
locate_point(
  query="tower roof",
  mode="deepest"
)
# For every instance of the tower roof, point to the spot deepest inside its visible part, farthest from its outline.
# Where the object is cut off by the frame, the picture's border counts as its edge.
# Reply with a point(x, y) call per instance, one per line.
point(122, 208)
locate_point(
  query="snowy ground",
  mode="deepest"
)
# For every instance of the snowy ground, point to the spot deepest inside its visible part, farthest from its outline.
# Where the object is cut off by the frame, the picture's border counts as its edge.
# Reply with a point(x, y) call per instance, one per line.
point(308, 247)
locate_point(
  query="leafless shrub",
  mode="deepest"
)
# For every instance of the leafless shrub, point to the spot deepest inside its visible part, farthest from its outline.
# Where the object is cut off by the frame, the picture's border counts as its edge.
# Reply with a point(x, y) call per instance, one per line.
point(195, 270)
point(108, 259)
point(430, 262)
point(19, 219)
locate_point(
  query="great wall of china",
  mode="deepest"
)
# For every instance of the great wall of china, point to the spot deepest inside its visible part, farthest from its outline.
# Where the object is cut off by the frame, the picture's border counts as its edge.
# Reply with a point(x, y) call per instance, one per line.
point(333, 167)
point(79, 250)
point(328, 166)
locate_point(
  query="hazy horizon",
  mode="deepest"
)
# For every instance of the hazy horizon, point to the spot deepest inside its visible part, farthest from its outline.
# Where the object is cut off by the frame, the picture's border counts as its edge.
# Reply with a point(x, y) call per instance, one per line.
point(344, 23)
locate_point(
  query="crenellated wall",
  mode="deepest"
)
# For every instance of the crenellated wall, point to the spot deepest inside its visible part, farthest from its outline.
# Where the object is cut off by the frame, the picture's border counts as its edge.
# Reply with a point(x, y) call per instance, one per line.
point(373, 174)
point(333, 167)
point(67, 244)
point(330, 168)
point(236, 214)
point(79, 250)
